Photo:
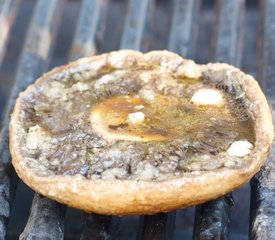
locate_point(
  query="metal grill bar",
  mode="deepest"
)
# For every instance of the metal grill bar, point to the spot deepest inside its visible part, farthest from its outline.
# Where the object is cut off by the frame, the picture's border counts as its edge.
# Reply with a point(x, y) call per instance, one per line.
point(100, 227)
point(159, 226)
point(9, 180)
point(262, 208)
point(48, 219)
point(33, 62)
point(266, 73)
point(228, 31)
point(84, 43)
point(212, 219)
point(137, 21)
point(8, 10)
point(184, 26)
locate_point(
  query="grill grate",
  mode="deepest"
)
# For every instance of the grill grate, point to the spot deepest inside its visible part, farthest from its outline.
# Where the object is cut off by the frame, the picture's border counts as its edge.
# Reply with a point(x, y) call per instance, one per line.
point(46, 219)
point(262, 208)
point(212, 219)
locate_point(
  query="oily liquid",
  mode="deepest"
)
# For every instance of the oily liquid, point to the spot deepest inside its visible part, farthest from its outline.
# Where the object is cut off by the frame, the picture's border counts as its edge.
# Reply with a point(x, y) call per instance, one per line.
point(171, 118)
point(175, 131)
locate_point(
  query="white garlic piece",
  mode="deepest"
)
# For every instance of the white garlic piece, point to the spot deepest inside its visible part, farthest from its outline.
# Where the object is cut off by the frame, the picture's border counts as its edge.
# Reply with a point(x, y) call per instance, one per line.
point(136, 117)
point(240, 148)
point(207, 97)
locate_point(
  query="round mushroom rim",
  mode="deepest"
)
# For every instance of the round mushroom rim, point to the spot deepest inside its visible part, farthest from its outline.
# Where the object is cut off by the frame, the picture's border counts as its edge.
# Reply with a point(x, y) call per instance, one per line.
point(121, 197)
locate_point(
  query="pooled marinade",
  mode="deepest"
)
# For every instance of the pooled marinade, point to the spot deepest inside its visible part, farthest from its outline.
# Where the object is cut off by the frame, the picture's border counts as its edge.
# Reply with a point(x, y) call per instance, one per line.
point(60, 139)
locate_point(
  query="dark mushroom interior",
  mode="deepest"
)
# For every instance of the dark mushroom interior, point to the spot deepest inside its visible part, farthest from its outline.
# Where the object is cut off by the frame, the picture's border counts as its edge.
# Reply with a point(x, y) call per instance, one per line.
point(60, 139)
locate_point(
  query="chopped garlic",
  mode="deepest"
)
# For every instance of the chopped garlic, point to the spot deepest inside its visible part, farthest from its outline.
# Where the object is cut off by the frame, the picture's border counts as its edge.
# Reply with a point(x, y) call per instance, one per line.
point(138, 107)
point(240, 148)
point(118, 59)
point(33, 137)
point(104, 80)
point(136, 117)
point(145, 77)
point(114, 173)
point(146, 171)
point(80, 86)
point(207, 97)
point(55, 90)
point(147, 95)
point(189, 69)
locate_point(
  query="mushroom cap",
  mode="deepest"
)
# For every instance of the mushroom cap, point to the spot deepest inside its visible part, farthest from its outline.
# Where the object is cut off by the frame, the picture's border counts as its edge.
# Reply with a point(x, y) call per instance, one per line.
point(134, 196)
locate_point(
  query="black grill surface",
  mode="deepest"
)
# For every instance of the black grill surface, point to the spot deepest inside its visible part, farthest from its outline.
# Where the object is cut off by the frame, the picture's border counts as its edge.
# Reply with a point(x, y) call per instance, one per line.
point(36, 35)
